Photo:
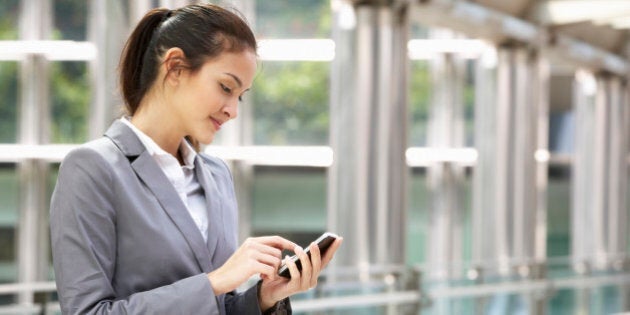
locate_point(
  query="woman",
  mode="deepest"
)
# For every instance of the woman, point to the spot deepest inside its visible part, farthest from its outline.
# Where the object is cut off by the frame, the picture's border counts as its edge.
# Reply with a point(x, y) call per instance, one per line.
point(143, 224)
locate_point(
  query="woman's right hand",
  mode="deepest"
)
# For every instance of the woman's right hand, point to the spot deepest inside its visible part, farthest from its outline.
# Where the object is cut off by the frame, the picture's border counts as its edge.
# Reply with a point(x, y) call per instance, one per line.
point(257, 255)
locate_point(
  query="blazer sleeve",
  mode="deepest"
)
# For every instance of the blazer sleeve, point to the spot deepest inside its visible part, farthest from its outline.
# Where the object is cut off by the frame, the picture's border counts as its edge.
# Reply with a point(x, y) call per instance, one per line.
point(83, 236)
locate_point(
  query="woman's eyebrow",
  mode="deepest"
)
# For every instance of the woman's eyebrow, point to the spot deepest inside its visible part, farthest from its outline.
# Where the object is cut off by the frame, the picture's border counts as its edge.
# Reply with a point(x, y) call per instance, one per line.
point(238, 81)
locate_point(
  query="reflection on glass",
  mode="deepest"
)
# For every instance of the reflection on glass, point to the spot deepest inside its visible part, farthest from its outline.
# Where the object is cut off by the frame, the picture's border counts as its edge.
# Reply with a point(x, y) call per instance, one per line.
point(289, 202)
point(8, 101)
point(9, 13)
point(70, 19)
point(558, 211)
point(418, 219)
point(419, 99)
point(9, 186)
point(70, 102)
point(291, 103)
point(52, 180)
point(293, 19)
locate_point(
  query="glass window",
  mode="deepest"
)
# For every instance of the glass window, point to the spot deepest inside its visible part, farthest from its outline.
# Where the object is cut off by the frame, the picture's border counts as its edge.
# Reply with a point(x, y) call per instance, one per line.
point(559, 211)
point(291, 103)
point(52, 180)
point(419, 100)
point(8, 101)
point(70, 19)
point(418, 220)
point(70, 102)
point(290, 202)
point(9, 13)
point(469, 104)
point(9, 185)
point(293, 19)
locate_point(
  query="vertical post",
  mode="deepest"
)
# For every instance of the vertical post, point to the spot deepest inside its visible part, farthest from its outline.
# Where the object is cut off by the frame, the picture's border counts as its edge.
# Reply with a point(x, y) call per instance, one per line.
point(446, 179)
point(35, 23)
point(367, 179)
point(508, 180)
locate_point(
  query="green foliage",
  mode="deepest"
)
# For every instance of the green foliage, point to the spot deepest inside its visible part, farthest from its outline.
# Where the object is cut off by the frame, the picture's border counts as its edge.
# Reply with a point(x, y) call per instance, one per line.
point(419, 100)
point(291, 103)
point(70, 102)
point(8, 102)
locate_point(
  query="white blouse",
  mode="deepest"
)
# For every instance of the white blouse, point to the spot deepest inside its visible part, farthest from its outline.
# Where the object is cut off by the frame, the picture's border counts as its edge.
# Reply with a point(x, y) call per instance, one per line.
point(181, 176)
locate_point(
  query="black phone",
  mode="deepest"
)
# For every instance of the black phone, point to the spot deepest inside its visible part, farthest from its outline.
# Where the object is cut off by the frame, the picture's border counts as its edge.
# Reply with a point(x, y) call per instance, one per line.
point(323, 242)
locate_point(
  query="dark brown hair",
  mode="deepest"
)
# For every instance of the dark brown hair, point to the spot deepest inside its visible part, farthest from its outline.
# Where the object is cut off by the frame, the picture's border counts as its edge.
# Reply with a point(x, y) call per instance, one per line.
point(202, 31)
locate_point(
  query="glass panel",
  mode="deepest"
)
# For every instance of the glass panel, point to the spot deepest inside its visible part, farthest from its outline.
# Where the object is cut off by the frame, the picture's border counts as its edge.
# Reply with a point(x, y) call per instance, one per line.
point(52, 180)
point(290, 202)
point(562, 302)
point(71, 19)
point(558, 211)
point(419, 100)
point(418, 226)
point(469, 104)
point(9, 187)
point(293, 19)
point(291, 103)
point(9, 14)
point(70, 102)
point(8, 101)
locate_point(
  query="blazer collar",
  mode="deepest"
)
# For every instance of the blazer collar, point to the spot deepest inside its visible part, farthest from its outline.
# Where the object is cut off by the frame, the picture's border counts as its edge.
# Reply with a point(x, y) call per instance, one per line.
point(154, 178)
point(213, 203)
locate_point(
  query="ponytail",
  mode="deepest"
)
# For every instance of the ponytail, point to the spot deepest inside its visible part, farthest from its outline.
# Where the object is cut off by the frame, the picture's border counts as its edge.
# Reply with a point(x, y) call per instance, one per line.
point(137, 66)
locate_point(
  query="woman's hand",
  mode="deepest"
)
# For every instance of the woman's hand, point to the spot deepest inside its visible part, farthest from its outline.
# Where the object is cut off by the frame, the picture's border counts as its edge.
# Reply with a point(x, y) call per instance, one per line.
point(257, 255)
point(275, 288)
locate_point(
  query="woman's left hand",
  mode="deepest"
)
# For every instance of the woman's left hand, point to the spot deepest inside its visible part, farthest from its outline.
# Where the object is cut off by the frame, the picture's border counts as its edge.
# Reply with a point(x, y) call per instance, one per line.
point(277, 288)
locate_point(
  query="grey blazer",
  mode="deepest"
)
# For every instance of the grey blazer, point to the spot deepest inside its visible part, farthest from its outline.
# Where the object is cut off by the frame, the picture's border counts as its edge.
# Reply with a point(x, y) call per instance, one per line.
point(123, 241)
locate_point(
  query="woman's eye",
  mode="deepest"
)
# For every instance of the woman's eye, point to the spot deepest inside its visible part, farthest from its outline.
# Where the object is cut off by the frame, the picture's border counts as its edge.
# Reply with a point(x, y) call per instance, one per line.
point(226, 89)
point(240, 98)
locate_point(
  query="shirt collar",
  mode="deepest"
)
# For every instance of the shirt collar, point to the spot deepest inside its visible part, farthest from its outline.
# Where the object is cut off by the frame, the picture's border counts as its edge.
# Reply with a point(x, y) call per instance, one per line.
point(187, 151)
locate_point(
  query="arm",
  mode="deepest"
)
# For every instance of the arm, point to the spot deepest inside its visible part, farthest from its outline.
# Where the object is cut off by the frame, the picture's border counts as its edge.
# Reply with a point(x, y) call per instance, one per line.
point(83, 235)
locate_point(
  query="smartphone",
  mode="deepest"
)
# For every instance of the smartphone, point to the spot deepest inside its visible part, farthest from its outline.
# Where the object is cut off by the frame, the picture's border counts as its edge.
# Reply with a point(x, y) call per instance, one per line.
point(323, 242)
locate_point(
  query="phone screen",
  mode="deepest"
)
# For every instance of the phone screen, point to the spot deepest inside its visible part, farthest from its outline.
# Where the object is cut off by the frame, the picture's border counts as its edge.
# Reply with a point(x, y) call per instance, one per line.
point(323, 242)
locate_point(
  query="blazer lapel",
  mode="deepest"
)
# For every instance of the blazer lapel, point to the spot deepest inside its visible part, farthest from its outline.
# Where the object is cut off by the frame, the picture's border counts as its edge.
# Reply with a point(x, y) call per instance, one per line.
point(149, 171)
point(215, 228)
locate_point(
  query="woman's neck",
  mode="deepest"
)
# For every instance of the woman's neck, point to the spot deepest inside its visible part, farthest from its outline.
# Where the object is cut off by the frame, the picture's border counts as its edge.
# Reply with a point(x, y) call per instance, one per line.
point(155, 122)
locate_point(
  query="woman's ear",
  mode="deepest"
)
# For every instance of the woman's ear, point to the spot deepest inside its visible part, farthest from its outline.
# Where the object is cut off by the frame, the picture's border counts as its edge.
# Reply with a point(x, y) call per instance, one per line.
point(174, 63)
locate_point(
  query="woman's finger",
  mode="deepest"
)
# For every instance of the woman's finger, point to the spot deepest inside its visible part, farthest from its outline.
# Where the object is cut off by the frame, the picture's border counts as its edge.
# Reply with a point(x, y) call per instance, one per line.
point(330, 252)
point(315, 264)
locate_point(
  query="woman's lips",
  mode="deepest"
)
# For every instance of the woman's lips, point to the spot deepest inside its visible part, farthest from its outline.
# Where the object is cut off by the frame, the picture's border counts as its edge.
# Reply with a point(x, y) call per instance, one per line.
point(217, 124)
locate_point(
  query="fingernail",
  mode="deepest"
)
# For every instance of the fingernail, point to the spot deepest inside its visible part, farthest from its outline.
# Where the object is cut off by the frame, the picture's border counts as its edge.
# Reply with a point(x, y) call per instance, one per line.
point(298, 248)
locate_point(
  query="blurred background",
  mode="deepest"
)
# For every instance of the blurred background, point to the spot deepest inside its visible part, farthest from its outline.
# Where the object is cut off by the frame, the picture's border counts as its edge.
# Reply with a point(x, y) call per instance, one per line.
point(473, 154)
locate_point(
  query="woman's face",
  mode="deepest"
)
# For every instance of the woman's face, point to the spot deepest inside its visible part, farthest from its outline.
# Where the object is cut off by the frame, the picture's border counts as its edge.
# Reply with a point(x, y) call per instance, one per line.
point(208, 98)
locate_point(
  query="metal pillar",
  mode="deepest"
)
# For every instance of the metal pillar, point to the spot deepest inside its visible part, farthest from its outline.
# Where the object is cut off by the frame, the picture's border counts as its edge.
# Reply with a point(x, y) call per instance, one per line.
point(35, 23)
point(599, 208)
point(507, 206)
point(446, 179)
point(367, 181)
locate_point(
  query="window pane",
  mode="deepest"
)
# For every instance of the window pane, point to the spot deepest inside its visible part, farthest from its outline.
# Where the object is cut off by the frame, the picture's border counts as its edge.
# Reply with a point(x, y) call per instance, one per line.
point(9, 185)
point(70, 19)
point(9, 13)
point(418, 226)
point(293, 19)
point(558, 211)
point(419, 99)
point(8, 101)
point(70, 102)
point(290, 202)
point(52, 180)
point(291, 103)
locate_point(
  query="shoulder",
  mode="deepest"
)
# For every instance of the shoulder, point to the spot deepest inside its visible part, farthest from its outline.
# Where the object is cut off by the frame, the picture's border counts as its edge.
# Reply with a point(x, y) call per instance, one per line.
point(93, 158)
point(216, 165)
